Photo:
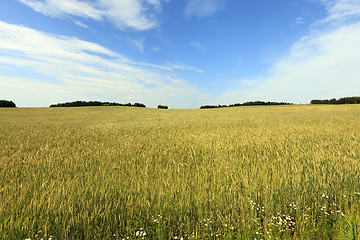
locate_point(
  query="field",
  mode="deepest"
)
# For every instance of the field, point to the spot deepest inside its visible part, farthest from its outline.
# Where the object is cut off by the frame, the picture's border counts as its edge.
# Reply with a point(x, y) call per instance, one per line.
point(274, 172)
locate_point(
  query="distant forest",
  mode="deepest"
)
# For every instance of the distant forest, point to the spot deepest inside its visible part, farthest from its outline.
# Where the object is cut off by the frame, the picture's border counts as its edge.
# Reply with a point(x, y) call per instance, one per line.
point(255, 103)
point(344, 100)
point(5, 103)
point(95, 103)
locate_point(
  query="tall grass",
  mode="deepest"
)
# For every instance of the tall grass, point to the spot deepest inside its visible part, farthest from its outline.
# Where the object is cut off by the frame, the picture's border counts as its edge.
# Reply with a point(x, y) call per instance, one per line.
point(281, 172)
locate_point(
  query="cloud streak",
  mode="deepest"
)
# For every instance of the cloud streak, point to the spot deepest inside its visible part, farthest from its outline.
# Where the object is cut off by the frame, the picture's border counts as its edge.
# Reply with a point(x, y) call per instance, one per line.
point(184, 67)
point(134, 14)
point(202, 8)
point(201, 47)
point(136, 43)
point(341, 10)
point(68, 69)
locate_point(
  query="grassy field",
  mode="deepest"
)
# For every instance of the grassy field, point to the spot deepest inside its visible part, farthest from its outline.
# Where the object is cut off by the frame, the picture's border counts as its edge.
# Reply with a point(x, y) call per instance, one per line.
point(282, 172)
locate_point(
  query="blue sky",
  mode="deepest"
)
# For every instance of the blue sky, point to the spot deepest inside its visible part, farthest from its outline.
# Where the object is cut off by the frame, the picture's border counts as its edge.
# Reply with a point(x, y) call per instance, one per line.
point(183, 54)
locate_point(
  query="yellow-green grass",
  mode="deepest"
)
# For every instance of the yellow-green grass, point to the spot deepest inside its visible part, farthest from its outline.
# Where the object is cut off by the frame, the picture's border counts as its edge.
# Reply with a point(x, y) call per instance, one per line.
point(266, 172)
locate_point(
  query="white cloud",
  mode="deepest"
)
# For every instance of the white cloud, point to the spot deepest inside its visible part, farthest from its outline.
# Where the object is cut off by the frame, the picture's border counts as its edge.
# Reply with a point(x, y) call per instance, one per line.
point(202, 8)
point(135, 14)
point(184, 67)
point(322, 64)
point(63, 8)
point(341, 10)
point(136, 43)
point(71, 69)
point(201, 47)
point(81, 24)
point(299, 20)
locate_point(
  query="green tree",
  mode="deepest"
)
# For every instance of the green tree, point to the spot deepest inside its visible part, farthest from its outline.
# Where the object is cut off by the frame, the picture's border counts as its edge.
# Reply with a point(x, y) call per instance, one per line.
point(162, 107)
point(5, 103)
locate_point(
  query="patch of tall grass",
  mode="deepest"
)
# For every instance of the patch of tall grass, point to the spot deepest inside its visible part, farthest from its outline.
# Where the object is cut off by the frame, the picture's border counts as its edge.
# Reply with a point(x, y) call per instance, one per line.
point(277, 172)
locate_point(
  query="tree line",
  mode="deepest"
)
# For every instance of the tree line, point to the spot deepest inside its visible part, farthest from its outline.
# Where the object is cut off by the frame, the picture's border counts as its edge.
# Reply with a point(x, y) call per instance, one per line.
point(254, 103)
point(344, 100)
point(5, 103)
point(95, 103)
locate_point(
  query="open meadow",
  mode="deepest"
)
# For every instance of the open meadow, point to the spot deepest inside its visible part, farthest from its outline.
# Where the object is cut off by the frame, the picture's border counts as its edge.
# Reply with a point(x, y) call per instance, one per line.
point(267, 172)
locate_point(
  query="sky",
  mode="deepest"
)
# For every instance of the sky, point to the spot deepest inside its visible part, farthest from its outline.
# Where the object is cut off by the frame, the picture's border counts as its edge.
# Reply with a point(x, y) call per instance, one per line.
point(179, 53)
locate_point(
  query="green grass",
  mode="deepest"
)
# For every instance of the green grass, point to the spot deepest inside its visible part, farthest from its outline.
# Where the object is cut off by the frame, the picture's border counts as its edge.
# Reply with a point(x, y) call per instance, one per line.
point(286, 172)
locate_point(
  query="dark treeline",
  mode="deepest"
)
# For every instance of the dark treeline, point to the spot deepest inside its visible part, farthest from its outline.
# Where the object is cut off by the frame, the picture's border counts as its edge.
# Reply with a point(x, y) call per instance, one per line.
point(95, 103)
point(255, 103)
point(5, 103)
point(162, 107)
point(344, 100)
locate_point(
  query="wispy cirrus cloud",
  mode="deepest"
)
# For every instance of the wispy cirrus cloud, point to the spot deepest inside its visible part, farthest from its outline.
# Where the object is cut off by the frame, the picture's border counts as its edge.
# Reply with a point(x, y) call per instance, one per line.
point(201, 47)
point(299, 20)
point(81, 24)
point(67, 68)
point(341, 10)
point(136, 43)
point(134, 14)
point(184, 67)
point(202, 8)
